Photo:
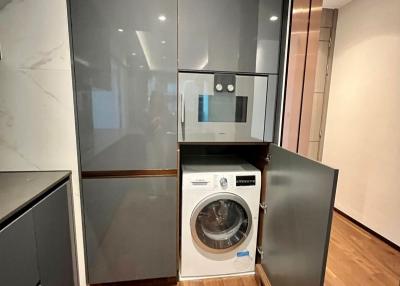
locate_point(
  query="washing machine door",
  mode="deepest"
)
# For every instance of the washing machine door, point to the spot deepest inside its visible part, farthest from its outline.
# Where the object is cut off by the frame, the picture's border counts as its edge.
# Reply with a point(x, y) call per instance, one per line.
point(220, 222)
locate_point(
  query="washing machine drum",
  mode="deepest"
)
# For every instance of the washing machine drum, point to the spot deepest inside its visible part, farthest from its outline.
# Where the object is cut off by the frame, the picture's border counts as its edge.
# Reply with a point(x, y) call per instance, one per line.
point(220, 223)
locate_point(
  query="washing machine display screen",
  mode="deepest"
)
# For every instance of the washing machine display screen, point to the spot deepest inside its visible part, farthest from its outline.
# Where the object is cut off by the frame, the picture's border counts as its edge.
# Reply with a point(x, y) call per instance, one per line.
point(222, 224)
point(245, 181)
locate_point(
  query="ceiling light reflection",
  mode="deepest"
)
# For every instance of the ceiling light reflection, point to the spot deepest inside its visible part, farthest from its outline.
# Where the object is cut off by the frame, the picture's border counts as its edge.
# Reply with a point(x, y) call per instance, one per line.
point(273, 18)
point(145, 48)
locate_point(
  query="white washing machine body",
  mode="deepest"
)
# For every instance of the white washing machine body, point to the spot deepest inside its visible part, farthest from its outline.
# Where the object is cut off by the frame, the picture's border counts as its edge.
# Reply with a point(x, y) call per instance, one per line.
point(219, 218)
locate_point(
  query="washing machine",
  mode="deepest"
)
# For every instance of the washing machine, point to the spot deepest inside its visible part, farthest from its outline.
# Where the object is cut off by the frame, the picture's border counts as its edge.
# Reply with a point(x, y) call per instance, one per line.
point(219, 217)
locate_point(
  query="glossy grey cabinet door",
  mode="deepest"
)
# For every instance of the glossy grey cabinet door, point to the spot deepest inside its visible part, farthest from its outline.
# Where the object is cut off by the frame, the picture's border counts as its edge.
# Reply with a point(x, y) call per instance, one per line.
point(229, 35)
point(296, 227)
point(18, 265)
point(130, 227)
point(53, 239)
point(124, 56)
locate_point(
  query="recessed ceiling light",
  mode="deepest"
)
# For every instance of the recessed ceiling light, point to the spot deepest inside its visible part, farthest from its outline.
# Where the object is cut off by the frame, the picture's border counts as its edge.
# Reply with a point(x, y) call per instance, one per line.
point(141, 66)
point(164, 57)
point(162, 18)
point(133, 54)
point(120, 30)
point(273, 18)
point(163, 42)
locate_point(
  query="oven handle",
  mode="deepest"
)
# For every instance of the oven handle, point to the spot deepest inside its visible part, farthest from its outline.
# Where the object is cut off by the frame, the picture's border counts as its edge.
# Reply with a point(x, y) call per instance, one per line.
point(182, 108)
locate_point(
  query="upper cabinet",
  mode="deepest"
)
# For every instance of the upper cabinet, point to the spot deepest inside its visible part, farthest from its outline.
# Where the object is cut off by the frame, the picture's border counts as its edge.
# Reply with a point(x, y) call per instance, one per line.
point(124, 55)
point(229, 35)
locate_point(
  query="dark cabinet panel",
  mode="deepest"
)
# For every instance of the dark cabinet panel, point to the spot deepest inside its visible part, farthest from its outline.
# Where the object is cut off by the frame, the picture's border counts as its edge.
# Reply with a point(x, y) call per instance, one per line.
point(229, 35)
point(130, 228)
point(53, 239)
point(18, 265)
point(296, 227)
point(124, 55)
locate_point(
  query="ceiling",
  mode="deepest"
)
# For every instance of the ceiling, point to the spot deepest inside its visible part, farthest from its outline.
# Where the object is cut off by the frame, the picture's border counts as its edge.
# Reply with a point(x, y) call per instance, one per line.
point(335, 3)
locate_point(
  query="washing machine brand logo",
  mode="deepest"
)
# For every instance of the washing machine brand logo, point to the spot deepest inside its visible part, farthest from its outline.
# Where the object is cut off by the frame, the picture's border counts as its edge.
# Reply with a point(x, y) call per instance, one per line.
point(200, 183)
point(243, 253)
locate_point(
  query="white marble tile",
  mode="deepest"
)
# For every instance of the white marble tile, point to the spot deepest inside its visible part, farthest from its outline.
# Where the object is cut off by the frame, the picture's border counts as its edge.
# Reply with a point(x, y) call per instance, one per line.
point(37, 117)
point(34, 34)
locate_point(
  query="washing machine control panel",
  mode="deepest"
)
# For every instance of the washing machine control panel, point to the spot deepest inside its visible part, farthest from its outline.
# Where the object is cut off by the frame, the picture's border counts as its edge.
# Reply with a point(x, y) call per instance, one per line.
point(222, 181)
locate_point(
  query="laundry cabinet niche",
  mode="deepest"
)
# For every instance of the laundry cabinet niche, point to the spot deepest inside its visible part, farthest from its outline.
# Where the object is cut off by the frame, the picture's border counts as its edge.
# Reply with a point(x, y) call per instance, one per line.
point(296, 205)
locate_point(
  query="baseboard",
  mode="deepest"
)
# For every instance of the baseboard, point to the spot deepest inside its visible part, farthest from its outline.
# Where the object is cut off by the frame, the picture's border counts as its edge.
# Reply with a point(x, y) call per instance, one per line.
point(367, 229)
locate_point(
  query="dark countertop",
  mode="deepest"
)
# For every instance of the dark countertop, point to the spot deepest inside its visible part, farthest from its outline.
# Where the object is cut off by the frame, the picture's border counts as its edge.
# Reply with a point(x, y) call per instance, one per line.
point(19, 189)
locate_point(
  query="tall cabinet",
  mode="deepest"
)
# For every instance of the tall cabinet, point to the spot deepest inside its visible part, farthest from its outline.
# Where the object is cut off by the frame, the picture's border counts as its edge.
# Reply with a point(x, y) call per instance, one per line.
point(124, 57)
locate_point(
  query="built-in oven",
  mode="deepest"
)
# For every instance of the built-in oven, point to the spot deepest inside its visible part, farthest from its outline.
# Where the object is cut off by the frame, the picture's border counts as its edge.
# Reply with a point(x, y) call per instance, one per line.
point(224, 107)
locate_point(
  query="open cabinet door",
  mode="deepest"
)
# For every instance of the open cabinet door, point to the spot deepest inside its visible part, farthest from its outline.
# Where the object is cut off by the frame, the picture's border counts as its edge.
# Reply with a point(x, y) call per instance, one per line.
point(296, 226)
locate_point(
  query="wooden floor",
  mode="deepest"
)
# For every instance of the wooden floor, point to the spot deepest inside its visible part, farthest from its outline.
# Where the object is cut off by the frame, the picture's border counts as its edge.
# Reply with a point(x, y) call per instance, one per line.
point(355, 258)
point(358, 258)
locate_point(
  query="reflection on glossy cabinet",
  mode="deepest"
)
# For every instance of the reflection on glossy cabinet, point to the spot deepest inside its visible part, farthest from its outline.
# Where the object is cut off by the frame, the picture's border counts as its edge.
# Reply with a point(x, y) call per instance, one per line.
point(130, 228)
point(229, 35)
point(124, 54)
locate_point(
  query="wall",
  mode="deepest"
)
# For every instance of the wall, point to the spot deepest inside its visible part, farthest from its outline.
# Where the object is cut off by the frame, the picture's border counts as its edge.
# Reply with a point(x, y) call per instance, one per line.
point(37, 127)
point(362, 132)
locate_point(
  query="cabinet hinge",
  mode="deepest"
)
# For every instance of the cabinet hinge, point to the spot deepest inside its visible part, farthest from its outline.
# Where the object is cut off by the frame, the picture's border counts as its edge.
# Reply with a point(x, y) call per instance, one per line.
point(268, 158)
point(263, 206)
point(260, 251)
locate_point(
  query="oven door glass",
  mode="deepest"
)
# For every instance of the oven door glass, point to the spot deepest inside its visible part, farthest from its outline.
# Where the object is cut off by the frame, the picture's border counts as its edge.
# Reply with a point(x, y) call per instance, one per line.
point(222, 108)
